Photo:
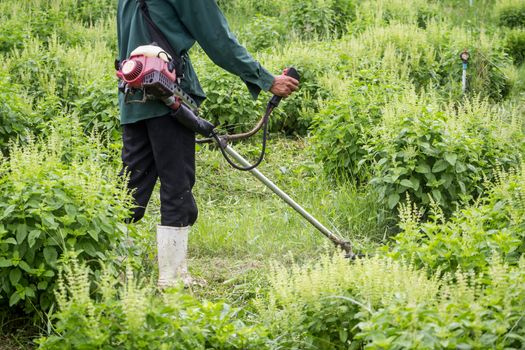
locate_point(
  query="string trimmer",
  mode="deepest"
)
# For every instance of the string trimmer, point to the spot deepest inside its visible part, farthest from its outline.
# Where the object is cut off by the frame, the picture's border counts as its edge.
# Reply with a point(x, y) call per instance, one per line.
point(149, 70)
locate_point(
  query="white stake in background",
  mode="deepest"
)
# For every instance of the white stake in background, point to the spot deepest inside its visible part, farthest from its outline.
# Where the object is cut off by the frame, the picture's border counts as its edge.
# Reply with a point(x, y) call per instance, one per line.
point(464, 57)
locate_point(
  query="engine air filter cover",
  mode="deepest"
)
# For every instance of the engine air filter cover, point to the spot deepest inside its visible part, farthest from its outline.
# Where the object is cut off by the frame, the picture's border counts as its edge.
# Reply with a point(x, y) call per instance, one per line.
point(132, 69)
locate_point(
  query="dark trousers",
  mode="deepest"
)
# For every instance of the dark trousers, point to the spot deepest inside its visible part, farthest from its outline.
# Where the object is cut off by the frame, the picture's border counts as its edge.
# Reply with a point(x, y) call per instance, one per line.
point(161, 148)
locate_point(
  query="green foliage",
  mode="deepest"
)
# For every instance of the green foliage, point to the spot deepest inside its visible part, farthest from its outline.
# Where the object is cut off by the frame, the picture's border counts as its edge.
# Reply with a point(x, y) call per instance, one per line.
point(228, 102)
point(57, 195)
point(345, 124)
point(515, 45)
point(97, 107)
point(91, 11)
point(304, 19)
point(418, 12)
point(415, 146)
point(295, 114)
point(320, 18)
point(472, 312)
point(440, 155)
point(58, 69)
point(41, 19)
point(12, 34)
point(15, 112)
point(473, 235)
point(251, 7)
point(132, 317)
point(262, 32)
point(51, 78)
point(318, 305)
point(379, 303)
point(18, 27)
point(430, 57)
point(230, 105)
point(510, 13)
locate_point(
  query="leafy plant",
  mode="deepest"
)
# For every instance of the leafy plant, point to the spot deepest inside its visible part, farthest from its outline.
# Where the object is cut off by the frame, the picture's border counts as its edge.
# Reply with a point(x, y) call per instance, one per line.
point(470, 238)
point(38, 19)
point(416, 12)
point(510, 13)
point(345, 124)
point(379, 303)
point(318, 305)
point(295, 114)
point(430, 58)
point(250, 7)
point(472, 312)
point(97, 107)
point(90, 11)
point(262, 32)
point(515, 45)
point(320, 18)
point(12, 34)
point(230, 105)
point(56, 196)
point(57, 69)
point(441, 156)
point(415, 144)
point(228, 102)
point(131, 316)
point(15, 112)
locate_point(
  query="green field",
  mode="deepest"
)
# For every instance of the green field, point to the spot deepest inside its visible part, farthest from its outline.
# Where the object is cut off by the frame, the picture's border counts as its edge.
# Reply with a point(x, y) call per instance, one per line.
point(381, 144)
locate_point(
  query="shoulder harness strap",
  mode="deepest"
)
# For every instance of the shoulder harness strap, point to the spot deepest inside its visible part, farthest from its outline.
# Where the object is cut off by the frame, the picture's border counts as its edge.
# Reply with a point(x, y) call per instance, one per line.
point(158, 37)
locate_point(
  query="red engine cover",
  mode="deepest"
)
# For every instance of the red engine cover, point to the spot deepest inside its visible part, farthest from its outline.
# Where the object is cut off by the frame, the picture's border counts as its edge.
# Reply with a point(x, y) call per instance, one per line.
point(133, 70)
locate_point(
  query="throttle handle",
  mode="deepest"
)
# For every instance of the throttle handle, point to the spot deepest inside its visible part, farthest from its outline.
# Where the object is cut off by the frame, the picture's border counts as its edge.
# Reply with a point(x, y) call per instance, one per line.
point(292, 72)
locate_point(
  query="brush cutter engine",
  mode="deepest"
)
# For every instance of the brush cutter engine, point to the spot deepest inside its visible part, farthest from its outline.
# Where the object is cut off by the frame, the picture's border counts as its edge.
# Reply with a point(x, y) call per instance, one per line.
point(151, 70)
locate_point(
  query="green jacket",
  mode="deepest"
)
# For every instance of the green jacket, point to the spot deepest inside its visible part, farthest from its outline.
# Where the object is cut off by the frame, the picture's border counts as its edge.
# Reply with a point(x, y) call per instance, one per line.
point(185, 22)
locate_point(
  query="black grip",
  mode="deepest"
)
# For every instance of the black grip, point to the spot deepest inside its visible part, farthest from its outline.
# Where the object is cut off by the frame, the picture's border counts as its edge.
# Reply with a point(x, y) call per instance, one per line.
point(186, 117)
point(292, 72)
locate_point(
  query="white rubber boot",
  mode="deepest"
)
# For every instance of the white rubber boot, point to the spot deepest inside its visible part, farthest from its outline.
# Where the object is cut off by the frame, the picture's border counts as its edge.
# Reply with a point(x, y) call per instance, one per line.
point(172, 247)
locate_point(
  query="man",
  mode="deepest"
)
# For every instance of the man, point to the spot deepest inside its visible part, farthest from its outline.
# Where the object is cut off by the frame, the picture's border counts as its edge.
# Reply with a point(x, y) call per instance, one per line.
point(154, 144)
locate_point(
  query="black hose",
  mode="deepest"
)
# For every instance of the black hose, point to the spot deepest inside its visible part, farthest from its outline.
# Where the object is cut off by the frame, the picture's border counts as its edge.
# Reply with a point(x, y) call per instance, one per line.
point(222, 146)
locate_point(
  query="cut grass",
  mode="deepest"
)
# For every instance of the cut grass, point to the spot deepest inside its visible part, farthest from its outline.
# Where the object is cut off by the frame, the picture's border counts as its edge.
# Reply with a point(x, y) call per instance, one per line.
point(243, 226)
point(239, 217)
point(245, 219)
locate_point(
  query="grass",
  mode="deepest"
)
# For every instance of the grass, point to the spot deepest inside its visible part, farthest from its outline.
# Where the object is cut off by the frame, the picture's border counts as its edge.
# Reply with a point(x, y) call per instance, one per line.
point(243, 226)
point(263, 225)
point(17, 334)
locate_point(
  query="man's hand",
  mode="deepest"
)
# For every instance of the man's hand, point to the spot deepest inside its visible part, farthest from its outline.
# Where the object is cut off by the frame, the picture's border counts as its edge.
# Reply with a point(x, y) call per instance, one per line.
point(284, 85)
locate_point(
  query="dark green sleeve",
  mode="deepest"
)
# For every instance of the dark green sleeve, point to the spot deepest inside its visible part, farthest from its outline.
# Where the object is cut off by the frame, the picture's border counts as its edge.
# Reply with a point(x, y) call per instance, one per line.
point(208, 26)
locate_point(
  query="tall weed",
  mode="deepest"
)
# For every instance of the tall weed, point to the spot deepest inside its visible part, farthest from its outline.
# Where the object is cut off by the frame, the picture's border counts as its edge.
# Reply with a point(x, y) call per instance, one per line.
point(417, 12)
point(57, 195)
point(379, 303)
point(129, 315)
point(472, 311)
point(318, 306)
point(510, 13)
point(416, 146)
point(476, 233)
point(15, 112)
point(440, 154)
